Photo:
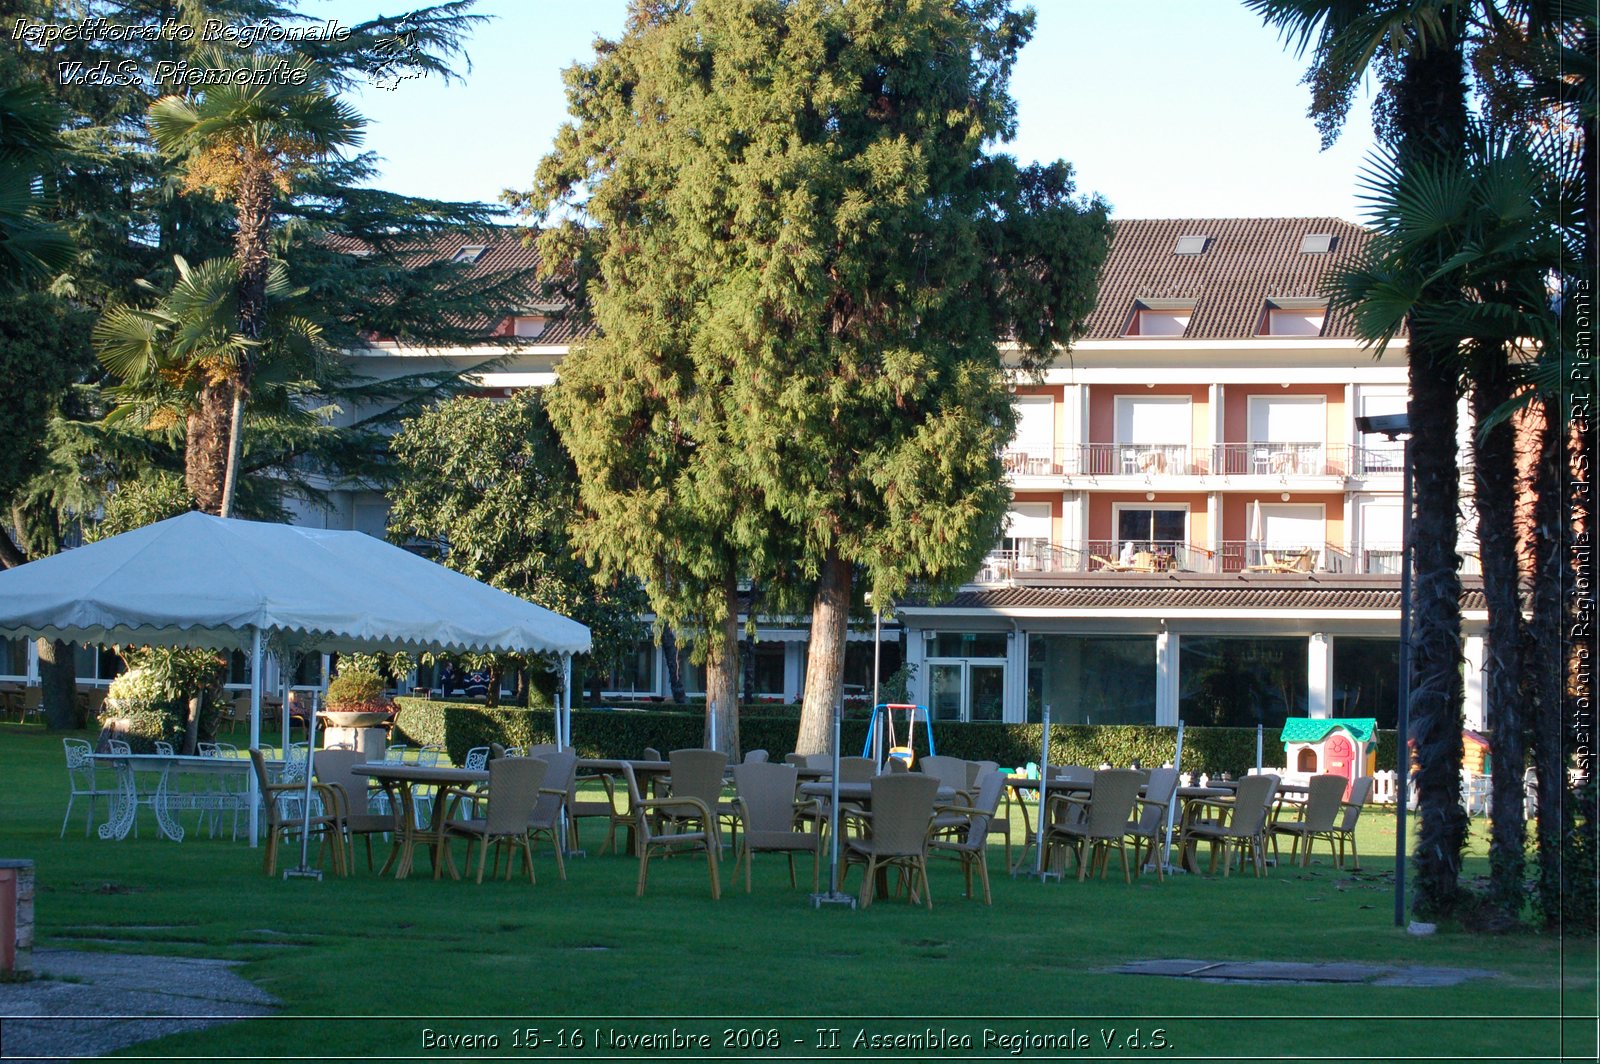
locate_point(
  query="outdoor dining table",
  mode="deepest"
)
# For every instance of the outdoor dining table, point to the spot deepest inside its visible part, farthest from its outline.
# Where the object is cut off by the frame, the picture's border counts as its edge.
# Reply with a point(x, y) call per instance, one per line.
point(404, 778)
point(860, 793)
point(1186, 795)
point(167, 797)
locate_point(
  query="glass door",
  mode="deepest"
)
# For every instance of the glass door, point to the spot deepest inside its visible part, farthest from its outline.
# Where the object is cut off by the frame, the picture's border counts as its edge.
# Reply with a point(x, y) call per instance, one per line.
point(986, 689)
point(944, 690)
point(965, 691)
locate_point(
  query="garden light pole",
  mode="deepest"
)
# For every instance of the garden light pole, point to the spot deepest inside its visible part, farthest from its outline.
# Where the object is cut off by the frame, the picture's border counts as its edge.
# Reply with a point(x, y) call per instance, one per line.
point(1392, 427)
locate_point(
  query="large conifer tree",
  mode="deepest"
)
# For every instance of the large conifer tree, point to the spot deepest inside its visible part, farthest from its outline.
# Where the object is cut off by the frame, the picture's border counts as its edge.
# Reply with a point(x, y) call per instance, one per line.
point(805, 265)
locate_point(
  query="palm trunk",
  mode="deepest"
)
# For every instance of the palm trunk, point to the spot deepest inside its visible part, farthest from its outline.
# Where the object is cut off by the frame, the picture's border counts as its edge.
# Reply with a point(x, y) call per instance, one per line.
point(1544, 667)
point(722, 673)
point(830, 616)
point(1495, 492)
point(253, 213)
point(205, 451)
point(1430, 123)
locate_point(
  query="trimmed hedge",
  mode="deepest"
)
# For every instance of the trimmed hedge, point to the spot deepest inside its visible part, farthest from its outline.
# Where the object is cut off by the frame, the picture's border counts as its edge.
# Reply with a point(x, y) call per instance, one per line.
point(622, 733)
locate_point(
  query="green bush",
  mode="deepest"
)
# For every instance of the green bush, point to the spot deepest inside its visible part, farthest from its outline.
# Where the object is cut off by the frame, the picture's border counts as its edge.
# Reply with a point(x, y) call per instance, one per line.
point(625, 733)
point(354, 689)
point(141, 699)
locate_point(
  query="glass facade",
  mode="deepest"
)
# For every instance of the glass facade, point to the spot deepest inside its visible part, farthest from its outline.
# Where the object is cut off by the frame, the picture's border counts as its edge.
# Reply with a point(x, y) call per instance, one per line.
point(1241, 682)
point(1092, 679)
point(14, 658)
point(1366, 679)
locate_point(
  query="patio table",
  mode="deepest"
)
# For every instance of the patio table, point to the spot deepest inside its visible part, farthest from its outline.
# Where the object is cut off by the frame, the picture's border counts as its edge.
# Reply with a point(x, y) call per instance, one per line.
point(1187, 795)
point(404, 777)
point(861, 793)
point(166, 797)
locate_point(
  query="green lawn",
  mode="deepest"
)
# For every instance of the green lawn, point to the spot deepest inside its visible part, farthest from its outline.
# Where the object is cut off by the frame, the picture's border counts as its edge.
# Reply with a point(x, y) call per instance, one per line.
point(378, 962)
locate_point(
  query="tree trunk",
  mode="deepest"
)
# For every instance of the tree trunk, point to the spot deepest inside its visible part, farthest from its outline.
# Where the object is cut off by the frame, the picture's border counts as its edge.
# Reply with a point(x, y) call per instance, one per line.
point(497, 671)
point(1544, 673)
point(58, 682)
point(674, 667)
point(191, 727)
point(1495, 494)
point(722, 673)
point(830, 617)
point(205, 451)
point(230, 478)
point(1430, 122)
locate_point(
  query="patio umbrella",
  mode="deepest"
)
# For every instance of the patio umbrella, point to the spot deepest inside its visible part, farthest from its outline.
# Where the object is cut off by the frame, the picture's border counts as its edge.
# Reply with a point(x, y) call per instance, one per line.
point(1255, 534)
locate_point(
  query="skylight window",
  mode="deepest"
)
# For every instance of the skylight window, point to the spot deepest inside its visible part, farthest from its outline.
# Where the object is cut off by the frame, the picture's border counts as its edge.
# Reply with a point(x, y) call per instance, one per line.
point(1293, 317)
point(470, 253)
point(1316, 243)
point(1159, 317)
point(1191, 245)
point(527, 326)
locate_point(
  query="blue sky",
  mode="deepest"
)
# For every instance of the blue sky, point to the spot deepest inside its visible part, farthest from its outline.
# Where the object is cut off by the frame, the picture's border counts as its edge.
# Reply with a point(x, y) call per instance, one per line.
point(1167, 108)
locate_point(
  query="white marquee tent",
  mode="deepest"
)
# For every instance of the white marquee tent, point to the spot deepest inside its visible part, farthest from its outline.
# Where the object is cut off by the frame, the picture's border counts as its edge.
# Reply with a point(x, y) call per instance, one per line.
point(198, 580)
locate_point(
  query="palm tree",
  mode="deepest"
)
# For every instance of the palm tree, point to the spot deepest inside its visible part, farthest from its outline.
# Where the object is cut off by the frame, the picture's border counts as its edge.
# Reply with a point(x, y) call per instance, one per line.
point(1483, 234)
point(246, 143)
point(1420, 48)
point(30, 246)
point(171, 358)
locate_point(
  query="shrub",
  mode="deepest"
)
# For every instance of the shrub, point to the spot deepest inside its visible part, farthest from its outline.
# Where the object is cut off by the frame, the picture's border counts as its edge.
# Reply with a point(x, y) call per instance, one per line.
point(625, 733)
point(146, 705)
point(355, 690)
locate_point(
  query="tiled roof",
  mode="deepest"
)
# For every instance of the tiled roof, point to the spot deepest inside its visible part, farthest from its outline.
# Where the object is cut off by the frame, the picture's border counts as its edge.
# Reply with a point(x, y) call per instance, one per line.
point(1246, 262)
point(505, 248)
point(1122, 591)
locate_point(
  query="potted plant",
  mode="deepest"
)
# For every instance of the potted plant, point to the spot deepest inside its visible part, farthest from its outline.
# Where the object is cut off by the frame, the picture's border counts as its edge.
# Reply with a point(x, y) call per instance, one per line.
point(357, 699)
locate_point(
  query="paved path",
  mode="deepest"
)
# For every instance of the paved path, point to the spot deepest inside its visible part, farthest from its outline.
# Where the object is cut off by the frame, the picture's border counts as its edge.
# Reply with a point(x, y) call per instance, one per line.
point(88, 1004)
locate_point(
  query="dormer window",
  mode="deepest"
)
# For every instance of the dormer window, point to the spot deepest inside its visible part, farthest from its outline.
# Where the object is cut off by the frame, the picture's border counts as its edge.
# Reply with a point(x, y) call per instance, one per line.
point(527, 326)
point(1293, 317)
point(1159, 317)
point(470, 253)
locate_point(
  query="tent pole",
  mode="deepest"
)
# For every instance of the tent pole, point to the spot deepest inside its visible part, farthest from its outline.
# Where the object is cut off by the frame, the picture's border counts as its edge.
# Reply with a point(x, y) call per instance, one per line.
point(255, 731)
point(566, 700)
point(283, 707)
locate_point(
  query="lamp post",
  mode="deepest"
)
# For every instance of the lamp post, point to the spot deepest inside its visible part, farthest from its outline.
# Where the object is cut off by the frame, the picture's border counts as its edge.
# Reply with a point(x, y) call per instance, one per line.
point(877, 644)
point(1393, 427)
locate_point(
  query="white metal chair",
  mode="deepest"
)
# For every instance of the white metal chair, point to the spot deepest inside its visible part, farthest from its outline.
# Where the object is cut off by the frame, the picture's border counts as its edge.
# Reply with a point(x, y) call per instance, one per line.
point(81, 782)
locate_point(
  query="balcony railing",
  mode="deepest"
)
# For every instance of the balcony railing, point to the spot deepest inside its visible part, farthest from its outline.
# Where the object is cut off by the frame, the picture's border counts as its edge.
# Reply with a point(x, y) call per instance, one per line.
point(1278, 459)
point(1230, 556)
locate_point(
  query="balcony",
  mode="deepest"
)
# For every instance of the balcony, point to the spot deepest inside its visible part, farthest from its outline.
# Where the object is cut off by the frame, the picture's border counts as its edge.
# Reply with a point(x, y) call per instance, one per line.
point(1279, 460)
point(1231, 556)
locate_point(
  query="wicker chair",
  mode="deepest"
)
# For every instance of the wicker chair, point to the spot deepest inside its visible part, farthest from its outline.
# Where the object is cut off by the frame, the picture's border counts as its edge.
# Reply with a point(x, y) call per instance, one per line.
point(359, 813)
point(284, 803)
point(1103, 822)
point(963, 831)
point(900, 825)
point(698, 774)
point(559, 779)
point(1241, 824)
point(1146, 831)
point(1350, 811)
point(513, 793)
point(649, 843)
point(767, 807)
point(1324, 795)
